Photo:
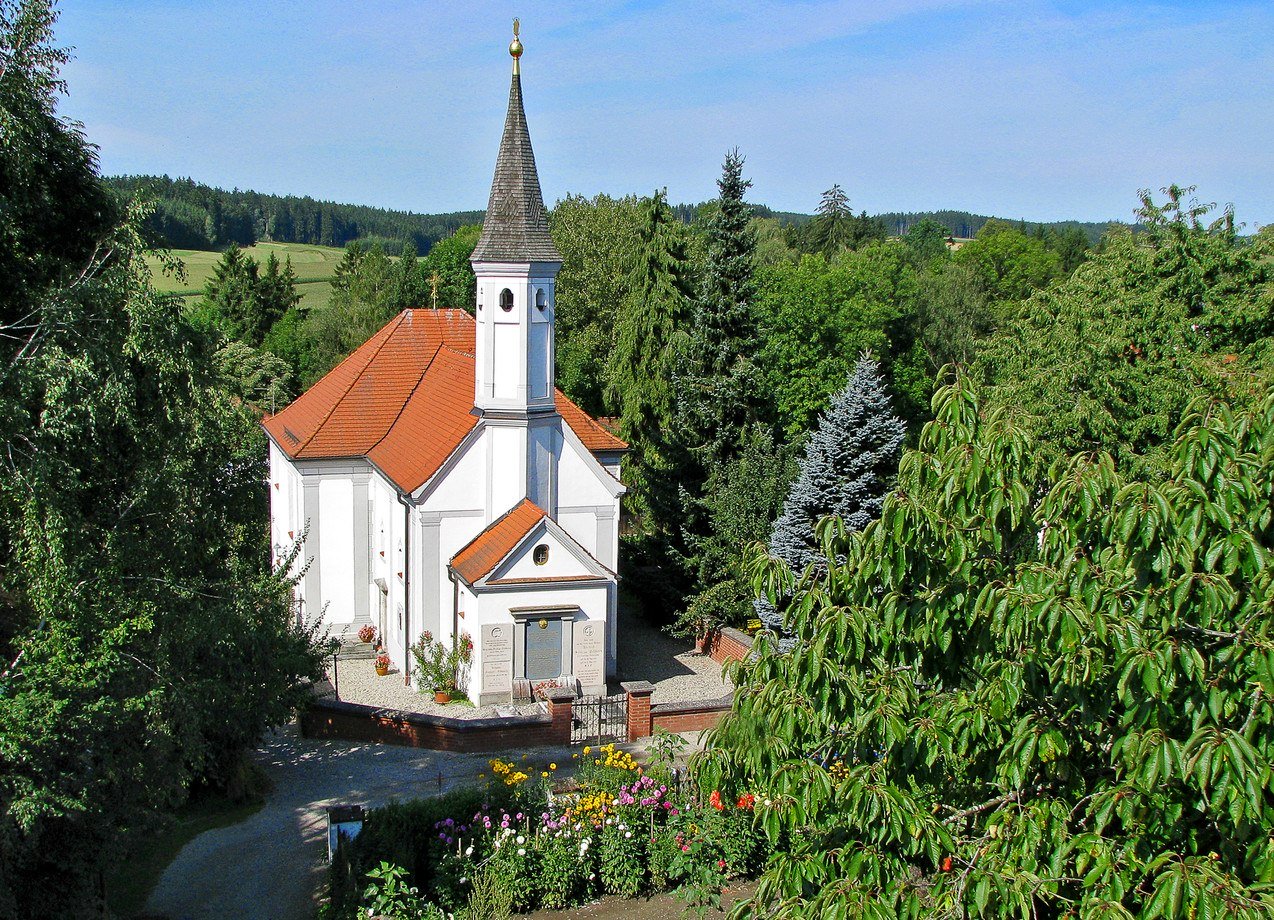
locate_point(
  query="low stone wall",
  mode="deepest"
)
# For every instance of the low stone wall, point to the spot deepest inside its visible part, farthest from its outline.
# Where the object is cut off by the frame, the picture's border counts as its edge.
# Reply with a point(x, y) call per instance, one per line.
point(726, 644)
point(689, 717)
point(328, 718)
point(644, 717)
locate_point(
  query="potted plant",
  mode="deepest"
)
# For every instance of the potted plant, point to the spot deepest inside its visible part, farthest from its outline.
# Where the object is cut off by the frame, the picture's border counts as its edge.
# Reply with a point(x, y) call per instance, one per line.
point(366, 633)
point(441, 668)
point(382, 664)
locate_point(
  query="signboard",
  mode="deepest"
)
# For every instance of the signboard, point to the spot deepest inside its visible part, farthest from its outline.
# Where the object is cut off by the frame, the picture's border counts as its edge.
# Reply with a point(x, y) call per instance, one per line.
point(590, 653)
point(543, 649)
point(497, 658)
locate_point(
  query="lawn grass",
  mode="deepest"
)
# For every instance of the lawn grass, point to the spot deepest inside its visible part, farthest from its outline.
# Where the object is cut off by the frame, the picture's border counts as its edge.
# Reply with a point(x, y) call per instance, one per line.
point(313, 265)
point(130, 885)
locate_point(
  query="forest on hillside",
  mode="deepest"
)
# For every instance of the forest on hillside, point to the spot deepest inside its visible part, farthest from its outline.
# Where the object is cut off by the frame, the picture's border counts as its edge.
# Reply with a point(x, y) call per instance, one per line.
point(191, 215)
point(1004, 512)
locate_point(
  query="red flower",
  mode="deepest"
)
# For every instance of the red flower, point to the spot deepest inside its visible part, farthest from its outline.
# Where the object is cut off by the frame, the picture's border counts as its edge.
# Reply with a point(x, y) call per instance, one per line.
point(721, 864)
point(715, 800)
point(746, 801)
point(946, 864)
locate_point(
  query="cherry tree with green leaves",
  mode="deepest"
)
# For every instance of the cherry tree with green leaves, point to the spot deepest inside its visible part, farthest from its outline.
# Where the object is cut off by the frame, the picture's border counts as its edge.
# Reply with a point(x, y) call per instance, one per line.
point(1025, 691)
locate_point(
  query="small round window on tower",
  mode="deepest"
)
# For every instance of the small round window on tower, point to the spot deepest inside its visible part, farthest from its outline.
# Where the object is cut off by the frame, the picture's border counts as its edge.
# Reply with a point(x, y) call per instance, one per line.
point(541, 299)
point(506, 300)
point(541, 554)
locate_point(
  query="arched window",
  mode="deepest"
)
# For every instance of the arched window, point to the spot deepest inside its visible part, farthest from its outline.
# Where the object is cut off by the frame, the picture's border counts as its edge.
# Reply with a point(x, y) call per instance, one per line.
point(541, 299)
point(506, 300)
point(541, 554)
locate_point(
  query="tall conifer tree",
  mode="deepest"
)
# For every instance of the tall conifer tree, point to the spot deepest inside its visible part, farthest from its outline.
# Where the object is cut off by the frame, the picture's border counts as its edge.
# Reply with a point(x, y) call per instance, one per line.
point(849, 462)
point(651, 315)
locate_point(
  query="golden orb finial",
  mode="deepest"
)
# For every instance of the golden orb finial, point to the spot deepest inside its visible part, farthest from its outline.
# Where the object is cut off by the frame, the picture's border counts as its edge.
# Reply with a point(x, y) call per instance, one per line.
point(515, 46)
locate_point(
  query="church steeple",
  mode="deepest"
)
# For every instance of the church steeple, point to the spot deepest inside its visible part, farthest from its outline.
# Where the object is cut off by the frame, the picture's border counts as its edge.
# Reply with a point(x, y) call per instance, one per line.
point(516, 228)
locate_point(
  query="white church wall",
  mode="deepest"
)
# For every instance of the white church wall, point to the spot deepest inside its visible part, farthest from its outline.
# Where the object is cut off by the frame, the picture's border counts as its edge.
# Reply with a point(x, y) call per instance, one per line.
point(336, 542)
point(508, 468)
point(492, 607)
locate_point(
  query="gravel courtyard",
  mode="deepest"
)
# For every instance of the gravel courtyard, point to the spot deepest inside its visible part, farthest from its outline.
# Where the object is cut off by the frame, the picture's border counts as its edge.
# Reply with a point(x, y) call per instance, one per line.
point(645, 653)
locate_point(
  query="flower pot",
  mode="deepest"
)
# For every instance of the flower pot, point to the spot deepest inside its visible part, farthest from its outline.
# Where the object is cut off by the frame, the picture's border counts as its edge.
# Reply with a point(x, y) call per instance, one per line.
point(442, 696)
point(382, 670)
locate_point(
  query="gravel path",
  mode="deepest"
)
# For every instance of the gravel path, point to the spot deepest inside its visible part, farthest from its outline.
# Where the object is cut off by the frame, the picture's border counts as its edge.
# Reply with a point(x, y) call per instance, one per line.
point(679, 674)
point(359, 683)
point(273, 864)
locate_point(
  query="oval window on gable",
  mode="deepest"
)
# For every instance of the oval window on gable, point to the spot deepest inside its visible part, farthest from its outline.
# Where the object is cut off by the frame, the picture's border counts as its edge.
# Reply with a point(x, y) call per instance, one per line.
point(506, 300)
point(541, 554)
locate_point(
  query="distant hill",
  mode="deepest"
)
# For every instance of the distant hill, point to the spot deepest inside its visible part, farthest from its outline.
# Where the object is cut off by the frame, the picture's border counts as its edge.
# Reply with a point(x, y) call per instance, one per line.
point(964, 224)
point(191, 215)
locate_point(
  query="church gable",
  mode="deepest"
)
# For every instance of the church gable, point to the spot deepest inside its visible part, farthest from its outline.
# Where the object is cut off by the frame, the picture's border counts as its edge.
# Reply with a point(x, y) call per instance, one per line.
point(547, 554)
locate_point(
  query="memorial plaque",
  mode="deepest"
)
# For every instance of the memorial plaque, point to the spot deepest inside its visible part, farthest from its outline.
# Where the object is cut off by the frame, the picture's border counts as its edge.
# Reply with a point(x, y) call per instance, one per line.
point(590, 653)
point(497, 658)
point(543, 649)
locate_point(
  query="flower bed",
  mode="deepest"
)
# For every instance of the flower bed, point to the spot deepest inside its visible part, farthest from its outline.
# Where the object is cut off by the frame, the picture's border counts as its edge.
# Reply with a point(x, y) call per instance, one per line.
point(526, 840)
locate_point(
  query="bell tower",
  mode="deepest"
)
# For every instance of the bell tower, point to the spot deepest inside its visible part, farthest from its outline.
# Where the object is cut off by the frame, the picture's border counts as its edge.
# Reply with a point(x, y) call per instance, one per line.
point(516, 265)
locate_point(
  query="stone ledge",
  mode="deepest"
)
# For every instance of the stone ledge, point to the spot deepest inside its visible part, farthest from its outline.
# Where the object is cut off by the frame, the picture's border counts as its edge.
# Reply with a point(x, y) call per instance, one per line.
point(434, 721)
point(669, 709)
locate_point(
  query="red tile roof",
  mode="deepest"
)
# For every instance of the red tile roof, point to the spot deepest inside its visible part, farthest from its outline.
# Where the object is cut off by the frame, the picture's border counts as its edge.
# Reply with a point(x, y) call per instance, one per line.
point(484, 552)
point(403, 400)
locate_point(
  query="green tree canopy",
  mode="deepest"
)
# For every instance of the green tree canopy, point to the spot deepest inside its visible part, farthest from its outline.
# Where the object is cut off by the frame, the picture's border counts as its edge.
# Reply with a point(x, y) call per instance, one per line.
point(649, 327)
point(145, 639)
point(1112, 357)
point(1025, 693)
point(598, 240)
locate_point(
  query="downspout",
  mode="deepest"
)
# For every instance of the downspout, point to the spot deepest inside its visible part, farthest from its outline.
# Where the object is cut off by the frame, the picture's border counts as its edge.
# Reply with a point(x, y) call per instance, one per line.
point(406, 589)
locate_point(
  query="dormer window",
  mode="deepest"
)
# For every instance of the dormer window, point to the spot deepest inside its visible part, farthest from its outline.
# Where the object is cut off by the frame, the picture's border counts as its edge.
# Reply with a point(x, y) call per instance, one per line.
point(506, 300)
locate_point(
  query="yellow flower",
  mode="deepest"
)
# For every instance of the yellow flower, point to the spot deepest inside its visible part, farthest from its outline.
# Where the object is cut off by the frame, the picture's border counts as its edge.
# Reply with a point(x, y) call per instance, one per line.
point(586, 749)
point(481, 776)
point(552, 766)
point(544, 774)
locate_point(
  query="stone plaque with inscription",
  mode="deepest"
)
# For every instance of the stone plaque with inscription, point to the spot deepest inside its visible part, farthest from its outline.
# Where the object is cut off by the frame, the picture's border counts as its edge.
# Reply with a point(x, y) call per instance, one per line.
point(590, 653)
point(497, 658)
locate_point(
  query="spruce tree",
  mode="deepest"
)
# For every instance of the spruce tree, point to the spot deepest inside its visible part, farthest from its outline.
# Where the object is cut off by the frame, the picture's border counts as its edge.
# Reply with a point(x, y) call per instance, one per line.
point(717, 383)
point(651, 315)
point(849, 462)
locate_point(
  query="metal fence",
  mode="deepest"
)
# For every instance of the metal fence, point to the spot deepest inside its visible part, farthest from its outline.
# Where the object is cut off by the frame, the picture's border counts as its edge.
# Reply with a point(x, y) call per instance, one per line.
point(599, 718)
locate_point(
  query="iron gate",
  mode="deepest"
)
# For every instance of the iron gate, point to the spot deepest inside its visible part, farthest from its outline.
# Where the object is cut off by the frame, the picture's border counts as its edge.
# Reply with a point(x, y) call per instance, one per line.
point(599, 718)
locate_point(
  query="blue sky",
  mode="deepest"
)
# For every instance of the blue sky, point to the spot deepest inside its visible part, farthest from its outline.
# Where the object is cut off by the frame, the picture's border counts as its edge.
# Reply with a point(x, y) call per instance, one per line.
point(1038, 109)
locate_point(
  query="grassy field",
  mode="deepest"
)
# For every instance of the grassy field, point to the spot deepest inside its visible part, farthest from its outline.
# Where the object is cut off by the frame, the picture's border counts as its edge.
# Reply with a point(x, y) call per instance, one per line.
point(313, 265)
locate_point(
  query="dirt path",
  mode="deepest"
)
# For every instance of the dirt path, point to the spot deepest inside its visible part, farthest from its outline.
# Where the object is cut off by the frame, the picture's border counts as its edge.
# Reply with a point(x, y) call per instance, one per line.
point(273, 864)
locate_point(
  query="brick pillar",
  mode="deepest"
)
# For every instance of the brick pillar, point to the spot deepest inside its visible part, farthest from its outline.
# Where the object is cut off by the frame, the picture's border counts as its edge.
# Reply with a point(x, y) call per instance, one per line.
point(561, 713)
point(638, 693)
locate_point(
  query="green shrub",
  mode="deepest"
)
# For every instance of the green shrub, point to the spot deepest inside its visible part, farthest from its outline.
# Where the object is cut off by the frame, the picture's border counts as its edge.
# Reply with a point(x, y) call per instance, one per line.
point(621, 857)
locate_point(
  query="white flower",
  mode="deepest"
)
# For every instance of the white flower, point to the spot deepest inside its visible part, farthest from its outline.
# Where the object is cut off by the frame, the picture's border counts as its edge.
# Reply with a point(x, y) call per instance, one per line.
point(521, 840)
point(627, 834)
point(592, 875)
point(521, 851)
point(496, 845)
point(767, 803)
point(468, 851)
point(463, 880)
point(609, 821)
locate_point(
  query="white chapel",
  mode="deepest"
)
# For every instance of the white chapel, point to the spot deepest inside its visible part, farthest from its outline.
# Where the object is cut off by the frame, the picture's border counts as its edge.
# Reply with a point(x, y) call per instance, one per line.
point(441, 482)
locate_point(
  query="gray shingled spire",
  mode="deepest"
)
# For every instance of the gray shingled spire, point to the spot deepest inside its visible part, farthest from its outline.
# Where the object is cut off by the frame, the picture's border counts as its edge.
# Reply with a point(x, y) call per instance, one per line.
point(516, 228)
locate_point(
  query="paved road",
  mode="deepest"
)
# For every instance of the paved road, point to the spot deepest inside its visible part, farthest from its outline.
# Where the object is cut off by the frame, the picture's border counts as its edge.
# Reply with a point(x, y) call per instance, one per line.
point(273, 864)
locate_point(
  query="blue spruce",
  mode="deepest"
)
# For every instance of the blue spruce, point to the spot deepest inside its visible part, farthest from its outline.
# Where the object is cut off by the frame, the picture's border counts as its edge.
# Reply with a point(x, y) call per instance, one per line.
point(849, 462)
